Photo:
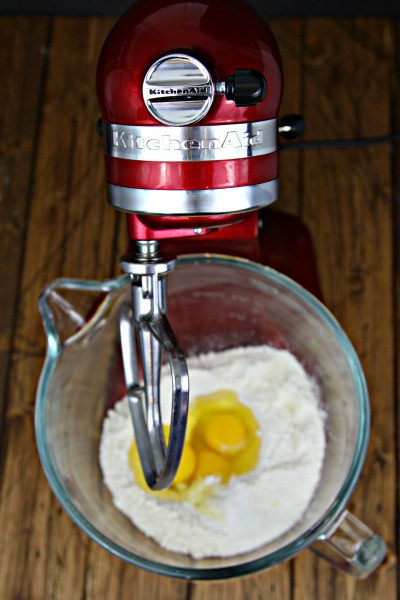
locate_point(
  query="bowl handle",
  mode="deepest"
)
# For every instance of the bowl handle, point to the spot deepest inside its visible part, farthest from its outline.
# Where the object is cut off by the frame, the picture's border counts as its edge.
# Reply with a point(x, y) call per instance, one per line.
point(350, 546)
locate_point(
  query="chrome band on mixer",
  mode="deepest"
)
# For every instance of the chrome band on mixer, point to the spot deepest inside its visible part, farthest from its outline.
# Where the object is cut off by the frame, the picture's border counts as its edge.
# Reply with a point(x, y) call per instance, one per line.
point(193, 202)
point(195, 143)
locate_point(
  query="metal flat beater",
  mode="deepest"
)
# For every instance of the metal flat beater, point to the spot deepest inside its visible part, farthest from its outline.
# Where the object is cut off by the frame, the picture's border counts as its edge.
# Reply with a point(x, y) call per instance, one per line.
point(145, 324)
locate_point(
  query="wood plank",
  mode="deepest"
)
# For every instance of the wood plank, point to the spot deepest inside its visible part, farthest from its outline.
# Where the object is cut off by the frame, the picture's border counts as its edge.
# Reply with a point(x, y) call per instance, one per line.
point(22, 65)
point(70, 233)
point(109, 578)
point(289, 35)
point(347, 206)
point(274, 584)
point(396, 258)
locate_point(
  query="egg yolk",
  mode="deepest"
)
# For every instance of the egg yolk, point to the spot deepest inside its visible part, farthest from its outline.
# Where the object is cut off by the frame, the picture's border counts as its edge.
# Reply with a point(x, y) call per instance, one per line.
point(212, 464)
point(225, 433)
point(222, 440)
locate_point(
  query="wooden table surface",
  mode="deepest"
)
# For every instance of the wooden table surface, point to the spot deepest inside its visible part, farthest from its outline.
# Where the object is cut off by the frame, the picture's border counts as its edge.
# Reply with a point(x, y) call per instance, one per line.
point(343, 76)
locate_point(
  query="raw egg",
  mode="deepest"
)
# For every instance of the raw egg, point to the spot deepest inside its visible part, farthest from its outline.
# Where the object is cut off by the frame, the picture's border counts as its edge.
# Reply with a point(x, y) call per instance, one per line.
point(222, 441)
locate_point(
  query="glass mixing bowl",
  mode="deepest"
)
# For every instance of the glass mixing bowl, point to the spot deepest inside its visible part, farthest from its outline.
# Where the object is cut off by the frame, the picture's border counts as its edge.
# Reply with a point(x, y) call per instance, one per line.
point(214, 303)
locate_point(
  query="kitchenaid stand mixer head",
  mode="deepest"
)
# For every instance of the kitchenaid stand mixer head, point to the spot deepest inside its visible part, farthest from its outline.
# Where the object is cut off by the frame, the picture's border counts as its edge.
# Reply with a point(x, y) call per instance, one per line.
point(189, 94)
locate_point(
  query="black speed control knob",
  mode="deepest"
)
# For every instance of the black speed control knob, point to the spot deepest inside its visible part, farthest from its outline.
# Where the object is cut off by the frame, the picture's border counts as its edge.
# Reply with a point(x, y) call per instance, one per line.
point(246, 87)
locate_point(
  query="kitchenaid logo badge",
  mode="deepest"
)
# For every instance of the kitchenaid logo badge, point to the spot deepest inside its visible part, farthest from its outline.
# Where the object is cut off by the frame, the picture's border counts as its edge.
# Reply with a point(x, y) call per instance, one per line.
point(198, 90)
point(196, 143)
point(232, 139)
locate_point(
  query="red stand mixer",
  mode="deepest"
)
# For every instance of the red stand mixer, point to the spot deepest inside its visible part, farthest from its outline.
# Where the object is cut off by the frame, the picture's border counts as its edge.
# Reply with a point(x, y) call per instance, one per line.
point(189, 94)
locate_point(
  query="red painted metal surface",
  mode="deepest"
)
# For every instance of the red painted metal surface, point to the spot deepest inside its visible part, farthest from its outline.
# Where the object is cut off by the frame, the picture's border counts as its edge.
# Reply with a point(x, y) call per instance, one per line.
point(148, 227)
point(223, 34)
point(185, 175)
point(284, 243)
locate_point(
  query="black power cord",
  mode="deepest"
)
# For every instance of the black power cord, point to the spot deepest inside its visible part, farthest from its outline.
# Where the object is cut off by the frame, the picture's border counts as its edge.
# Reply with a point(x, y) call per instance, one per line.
point(356, 143)
point(293, 126)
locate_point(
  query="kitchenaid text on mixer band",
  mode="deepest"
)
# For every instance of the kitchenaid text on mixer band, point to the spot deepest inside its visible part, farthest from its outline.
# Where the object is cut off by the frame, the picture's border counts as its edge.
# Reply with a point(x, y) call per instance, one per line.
point(212, 142)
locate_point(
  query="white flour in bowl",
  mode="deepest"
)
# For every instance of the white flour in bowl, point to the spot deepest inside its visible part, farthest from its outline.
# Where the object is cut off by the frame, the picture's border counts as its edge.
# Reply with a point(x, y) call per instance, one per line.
point(254, 508)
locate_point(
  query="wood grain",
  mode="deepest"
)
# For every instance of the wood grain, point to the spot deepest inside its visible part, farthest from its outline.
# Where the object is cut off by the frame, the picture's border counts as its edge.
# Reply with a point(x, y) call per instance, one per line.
point(289, 34)
point(22, 65)
point(343, 76)
point(396, 253)
point(67, 233)
point(347, 206)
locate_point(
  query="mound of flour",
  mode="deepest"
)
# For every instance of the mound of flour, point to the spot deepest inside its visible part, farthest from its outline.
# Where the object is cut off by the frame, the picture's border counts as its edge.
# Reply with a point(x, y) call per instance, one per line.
point(254, 508)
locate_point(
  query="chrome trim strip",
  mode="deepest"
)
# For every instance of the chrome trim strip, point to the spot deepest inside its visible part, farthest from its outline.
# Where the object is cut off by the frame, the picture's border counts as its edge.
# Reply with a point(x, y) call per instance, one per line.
point(193, 202)
point(195, 143)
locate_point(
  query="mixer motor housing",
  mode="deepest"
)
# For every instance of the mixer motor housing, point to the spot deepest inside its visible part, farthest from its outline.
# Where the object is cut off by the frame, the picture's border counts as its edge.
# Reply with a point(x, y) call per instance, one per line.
point(189, 94)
